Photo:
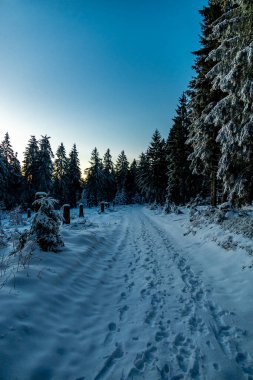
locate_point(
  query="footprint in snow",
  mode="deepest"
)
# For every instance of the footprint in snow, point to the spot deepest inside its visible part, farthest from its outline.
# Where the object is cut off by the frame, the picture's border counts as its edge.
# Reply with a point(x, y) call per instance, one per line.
point(130, 285)
point(117, 354)
point(142, 359)
point(112, 326)
point(160, 335)
point(122, 297)
point(109, 337)
point(150, 316)
point(122, 312)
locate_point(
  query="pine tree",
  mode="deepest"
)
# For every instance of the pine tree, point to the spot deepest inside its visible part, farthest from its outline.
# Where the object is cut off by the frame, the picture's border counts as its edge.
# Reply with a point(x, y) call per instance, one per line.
point(121, 169)
point(180, 179)
point(131, 183)
point(95, 179)
point(157, 176)
point(203, 132)
point(232, 74)
point(45, 164)
point(73, 177)
point(11, 174)
point(142, 176)
point(30, 168)
point(45, 227)
point(109, 189)
point(3, 177)
point(60, 175)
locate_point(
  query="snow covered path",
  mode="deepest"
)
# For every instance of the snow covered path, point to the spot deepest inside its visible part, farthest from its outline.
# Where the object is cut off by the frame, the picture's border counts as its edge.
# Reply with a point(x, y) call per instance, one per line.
point(122, 302)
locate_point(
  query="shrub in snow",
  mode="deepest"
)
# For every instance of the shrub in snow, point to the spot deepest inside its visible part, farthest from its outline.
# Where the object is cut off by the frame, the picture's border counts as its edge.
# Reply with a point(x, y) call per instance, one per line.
point(226, 206)
point(171, 207)
point(19, 240)
point(232, 220)
point(228, 243)
point(44, 229)
point(153, 206)
point(3, 238)
point(46, 224)
point(15, 217)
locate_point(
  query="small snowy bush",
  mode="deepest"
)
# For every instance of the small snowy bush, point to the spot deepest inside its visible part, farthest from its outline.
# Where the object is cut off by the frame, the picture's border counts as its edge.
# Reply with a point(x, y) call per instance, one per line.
point(44, 229)
point(3, 238)
point(170, 207)
point(46, 224)
point(153, 206)
point(235, 221)
point(15, 217)
point(228, 243)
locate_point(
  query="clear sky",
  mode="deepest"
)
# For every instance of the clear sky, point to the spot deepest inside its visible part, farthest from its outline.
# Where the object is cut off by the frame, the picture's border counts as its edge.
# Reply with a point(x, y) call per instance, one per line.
point(102, 73)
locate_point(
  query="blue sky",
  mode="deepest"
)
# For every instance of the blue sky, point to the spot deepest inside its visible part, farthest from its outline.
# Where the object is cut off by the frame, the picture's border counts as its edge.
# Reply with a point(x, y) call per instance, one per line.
point(95, 73)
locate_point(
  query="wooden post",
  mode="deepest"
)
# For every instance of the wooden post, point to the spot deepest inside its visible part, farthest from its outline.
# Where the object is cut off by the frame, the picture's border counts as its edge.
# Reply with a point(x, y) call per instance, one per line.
point(66, 214)
point(81, 213)
point(102, 206)
point(29, 213)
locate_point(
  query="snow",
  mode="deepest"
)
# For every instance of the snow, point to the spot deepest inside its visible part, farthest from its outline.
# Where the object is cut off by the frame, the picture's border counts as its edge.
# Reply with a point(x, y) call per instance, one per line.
point(134, 294)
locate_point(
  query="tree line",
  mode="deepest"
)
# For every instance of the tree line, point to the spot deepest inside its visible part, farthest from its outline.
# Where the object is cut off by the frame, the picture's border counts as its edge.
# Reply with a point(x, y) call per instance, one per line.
point(209, 148)
point(60, 175)
point(38, 172)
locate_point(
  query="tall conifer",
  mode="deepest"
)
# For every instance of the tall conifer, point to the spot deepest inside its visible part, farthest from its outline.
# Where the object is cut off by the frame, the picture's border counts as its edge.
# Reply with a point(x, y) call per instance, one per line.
point(203, 132)
point(45, 164)
point(60, 175)
point(157, 175)
point(73, 178)
point(180, 179)
point(95, 179)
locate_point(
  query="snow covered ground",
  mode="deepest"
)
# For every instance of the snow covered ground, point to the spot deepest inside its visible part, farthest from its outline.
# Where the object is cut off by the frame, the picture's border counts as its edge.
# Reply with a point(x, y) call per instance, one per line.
point(132, 295)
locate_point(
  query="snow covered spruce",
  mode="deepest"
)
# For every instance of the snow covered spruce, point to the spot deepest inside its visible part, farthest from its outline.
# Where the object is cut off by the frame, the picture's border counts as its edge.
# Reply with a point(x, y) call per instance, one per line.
point(45, 226)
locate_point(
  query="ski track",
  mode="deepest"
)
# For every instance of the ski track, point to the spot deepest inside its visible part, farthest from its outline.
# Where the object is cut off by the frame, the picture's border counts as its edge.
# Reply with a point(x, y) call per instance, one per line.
point(133, 309)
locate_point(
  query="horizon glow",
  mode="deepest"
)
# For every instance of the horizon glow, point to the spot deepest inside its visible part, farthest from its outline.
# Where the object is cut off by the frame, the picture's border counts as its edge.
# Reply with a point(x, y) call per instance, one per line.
point(94, 74)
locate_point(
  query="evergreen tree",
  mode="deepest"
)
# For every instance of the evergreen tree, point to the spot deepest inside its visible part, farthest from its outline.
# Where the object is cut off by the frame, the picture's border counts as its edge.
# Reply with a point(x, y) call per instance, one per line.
point(73, 178)
point(142, 176)
point(121, 169)
point(95, 179)
point(109, 187)
point(3, 177)
point(232, 74)
point(157, 175)
point(180, 180)
point(203, 132)
point(30, 168)
point(131, 183)
point(45, 228)
point(60, 175)
point(45, 164)
point(12, 177)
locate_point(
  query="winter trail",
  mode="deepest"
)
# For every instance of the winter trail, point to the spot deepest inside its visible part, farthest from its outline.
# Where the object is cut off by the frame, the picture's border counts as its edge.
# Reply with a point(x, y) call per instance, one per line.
point(130, 307)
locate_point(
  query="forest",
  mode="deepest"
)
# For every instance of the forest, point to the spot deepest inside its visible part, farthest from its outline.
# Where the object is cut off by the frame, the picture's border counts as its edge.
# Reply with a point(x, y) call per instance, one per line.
point(208, 151)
